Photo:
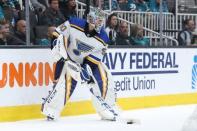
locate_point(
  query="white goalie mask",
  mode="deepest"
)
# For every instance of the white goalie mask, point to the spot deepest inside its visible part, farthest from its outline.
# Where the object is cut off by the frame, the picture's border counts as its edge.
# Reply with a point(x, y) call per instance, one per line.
point(96, 19)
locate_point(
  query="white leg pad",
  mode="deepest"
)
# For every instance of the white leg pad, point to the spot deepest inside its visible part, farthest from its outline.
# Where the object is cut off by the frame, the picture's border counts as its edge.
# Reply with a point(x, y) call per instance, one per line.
point(51, 112)
point(104, 109)
point(111, 96)
point(54, 103)
point(107, 107)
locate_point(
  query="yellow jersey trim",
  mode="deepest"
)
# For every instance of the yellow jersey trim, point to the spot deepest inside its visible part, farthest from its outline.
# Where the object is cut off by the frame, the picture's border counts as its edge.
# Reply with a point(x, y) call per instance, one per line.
point(104, 80)
point(92, 60)
point(68, 86)
point(56, 34)
point(77, 27)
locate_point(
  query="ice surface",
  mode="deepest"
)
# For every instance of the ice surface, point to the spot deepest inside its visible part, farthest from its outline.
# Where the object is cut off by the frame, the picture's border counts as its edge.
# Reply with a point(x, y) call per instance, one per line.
point(173, 118)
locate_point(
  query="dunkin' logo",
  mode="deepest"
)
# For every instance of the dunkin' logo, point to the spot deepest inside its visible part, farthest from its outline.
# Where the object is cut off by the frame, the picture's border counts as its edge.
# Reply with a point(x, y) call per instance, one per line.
point(26, 74)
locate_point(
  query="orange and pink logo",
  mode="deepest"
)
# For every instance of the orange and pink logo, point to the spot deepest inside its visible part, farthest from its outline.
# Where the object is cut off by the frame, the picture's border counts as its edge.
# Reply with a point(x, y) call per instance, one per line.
point(24, 74)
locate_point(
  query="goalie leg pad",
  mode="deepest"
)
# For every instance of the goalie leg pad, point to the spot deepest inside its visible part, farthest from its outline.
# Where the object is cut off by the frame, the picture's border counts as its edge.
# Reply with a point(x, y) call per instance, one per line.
point(104, 109)
point(111, 111)
point(58, 68)
point(54, 102)
point(111, 94)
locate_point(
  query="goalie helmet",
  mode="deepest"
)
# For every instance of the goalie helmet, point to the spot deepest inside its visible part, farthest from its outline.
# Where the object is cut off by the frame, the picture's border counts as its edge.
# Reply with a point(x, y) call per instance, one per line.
point(96, 18)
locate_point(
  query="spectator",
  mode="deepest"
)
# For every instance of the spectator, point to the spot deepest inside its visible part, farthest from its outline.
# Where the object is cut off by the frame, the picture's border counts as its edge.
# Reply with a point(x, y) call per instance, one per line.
point(97, 3)
point(122, 37)
point(68, 8)
point(111, 28)
point(10, 10)
point(171, 5)
point(1, 13)
point(185, 36)
point(12, 4)
point(50, 31)
point(114, 5)
point(155, 6)
point(132, 5)
point(6, 38)
point(38, 7)
point(33, 19)
point(48, 39)
point(21, 30)
point(44, 2)
point(141, 5)
point(52, 15)
point(93, 3)
point(137, 37)
point(124, 5)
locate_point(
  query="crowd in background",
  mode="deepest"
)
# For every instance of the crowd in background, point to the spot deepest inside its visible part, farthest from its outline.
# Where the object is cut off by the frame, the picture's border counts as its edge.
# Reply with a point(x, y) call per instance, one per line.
point(119, 35)
point(46, 15)
point(137, 5)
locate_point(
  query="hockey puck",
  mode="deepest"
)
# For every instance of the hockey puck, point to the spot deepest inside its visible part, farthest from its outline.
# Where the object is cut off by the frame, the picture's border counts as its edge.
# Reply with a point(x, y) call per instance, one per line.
point(130, 122)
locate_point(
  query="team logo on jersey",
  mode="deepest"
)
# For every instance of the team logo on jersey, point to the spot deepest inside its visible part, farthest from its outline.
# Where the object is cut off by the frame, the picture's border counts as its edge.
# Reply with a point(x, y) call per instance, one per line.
point(63, 27)
point(82, 48)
